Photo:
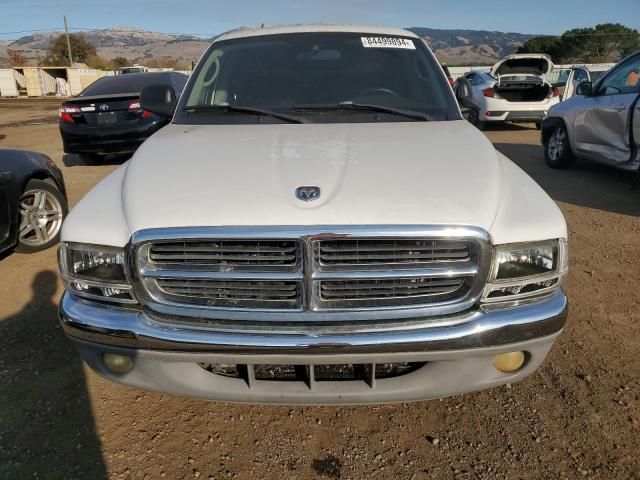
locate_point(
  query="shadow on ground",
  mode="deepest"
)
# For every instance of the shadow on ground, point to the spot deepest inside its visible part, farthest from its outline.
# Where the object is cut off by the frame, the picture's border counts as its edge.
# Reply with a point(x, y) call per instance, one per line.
point(587, 184)
point(507, 127)
point(75, 160)
point(46, 423)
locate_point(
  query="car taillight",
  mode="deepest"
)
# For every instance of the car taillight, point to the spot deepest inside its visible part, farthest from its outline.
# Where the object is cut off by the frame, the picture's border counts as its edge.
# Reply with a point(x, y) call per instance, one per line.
point(555, 92)
point(489, 92)
point(66, 111)
point(136, 107)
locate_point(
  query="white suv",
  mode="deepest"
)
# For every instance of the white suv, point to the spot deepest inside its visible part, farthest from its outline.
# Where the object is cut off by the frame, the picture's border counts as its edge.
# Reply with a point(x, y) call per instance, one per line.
point(317, 224)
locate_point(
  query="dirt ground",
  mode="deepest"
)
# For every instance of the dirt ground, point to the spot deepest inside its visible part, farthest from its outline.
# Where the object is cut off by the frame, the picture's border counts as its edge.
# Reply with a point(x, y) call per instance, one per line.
point(576, 417)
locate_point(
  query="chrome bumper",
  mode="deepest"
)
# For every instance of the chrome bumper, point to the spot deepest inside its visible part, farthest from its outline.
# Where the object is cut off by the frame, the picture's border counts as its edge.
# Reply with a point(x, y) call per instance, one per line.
point(481, 328)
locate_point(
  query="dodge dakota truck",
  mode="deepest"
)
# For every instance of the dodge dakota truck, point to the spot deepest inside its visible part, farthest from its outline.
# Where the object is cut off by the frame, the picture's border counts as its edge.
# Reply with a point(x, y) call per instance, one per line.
point(317, 224)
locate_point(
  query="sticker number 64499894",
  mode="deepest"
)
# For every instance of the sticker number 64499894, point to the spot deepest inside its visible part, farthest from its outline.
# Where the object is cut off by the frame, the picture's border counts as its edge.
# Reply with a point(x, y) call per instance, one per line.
point(388, 42)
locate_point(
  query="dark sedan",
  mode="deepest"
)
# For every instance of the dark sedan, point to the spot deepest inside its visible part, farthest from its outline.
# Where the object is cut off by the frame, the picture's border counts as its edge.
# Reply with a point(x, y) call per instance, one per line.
point(106, 118)
point(33, 201)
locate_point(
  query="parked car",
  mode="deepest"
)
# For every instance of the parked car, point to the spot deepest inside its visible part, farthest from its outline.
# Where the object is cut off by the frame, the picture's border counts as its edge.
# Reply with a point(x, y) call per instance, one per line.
point(317, 224)
point(515, 90)
point(106, 117)
point(601, 122)
point(570, 78)
point(33, 201)
point(134, 69)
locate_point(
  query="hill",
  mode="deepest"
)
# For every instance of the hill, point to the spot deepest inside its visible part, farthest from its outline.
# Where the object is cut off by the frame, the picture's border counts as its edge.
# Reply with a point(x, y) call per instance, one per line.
point(466, 47)
point(453, 47)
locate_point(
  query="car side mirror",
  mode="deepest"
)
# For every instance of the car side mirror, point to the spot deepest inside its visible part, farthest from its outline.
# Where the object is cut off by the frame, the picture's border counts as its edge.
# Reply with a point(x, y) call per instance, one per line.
point(585, 89)
point(159, 99)
point(463, 95)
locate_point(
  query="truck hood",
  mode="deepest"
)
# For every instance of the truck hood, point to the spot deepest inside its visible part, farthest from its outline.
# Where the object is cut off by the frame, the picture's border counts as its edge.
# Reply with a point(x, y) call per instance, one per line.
point(376, 173)
point(523, 63)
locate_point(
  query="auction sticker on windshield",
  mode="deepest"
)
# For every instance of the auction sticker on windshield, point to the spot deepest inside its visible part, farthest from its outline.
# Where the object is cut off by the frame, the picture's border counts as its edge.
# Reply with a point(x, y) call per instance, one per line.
point(388, 42)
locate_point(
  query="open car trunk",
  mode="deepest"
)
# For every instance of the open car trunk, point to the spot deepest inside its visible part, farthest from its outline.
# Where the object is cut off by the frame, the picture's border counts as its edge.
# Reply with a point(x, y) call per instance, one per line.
point(522, 77)
point(518, 88)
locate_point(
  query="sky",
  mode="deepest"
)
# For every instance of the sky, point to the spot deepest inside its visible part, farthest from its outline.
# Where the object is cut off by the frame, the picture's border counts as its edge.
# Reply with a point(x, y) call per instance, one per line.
point(210, 17)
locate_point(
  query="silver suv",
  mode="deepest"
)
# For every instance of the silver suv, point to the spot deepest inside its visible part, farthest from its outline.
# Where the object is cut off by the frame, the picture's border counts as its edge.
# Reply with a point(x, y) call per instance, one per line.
point(601, 122)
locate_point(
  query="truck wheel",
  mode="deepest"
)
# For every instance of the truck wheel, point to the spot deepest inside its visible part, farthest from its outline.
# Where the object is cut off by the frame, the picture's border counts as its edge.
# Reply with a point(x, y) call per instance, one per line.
point(42, 209)
point(557, 151)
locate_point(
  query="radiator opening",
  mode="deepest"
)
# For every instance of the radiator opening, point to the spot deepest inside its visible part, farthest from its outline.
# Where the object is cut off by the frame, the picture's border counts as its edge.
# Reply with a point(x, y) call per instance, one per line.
point(310, 374)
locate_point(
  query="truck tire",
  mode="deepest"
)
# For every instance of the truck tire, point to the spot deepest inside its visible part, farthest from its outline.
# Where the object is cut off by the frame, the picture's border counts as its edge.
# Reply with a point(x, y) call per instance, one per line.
point(42, 210)
point(557, 150)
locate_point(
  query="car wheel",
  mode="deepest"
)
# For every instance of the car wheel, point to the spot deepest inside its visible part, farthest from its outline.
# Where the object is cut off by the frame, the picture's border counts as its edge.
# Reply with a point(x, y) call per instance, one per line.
point(42, 210)
point(474, 119)
point(557, 150)
point(538, 125)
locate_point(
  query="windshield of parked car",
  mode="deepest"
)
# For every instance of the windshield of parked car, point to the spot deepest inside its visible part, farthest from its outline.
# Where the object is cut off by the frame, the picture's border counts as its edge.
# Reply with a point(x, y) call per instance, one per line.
point(318, 77)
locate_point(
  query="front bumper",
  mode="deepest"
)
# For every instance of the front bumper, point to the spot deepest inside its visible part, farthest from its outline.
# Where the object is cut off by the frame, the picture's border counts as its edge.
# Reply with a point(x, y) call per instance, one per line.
point(458, 353)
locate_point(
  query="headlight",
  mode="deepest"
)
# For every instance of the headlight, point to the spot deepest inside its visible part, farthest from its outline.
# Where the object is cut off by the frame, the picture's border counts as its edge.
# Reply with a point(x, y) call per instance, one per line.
point(96, 272)
point(525, 269)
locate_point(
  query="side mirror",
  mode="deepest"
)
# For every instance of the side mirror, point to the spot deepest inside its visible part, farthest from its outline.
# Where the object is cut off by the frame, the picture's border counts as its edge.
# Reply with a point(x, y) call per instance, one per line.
point(463, 95)
point(585, 89)
point(158, 99)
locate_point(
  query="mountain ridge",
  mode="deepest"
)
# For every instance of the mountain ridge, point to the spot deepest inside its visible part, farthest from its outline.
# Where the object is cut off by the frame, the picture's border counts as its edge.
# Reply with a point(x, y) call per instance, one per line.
point(451, 46)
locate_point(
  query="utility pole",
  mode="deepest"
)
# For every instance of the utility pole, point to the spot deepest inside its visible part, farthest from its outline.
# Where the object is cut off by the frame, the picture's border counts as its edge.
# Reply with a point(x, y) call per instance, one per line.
point(66, 31)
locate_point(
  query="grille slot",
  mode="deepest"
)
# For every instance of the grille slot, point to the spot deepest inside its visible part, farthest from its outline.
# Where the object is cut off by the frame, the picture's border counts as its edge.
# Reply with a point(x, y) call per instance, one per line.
point(389, 292)
point(228, 254)
point(348, 253)
point(259, 294)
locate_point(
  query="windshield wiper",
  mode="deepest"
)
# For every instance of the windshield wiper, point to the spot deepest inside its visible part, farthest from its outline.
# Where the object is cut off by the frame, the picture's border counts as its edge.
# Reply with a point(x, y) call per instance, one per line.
point(370, 107)
point(225, 107)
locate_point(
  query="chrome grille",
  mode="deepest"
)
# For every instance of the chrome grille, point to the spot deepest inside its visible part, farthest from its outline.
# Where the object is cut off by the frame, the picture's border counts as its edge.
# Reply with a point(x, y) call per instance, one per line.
point(289, 274)
point(227, 254)
point(234, 294)
point(387, 252)
point(394, 291)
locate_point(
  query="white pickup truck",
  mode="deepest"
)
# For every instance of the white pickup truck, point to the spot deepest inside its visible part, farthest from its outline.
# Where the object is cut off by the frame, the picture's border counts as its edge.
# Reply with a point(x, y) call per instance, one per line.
point(318, 224)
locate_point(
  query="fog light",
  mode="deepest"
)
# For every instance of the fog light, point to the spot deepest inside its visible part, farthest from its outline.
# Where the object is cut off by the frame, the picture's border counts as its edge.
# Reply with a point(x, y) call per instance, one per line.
point(119, 364)
point(509, 362)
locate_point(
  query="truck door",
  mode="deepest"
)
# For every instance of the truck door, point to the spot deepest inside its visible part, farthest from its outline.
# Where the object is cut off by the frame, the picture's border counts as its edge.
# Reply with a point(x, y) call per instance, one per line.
point(603, 120)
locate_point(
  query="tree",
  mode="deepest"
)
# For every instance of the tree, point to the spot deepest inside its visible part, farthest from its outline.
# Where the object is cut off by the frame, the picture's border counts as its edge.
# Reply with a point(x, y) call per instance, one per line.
point(16, 58)
point(163, 62)
point(96, 61)
point(604, 43)
point(119, 62)
point(58, 54)
point(552, 46)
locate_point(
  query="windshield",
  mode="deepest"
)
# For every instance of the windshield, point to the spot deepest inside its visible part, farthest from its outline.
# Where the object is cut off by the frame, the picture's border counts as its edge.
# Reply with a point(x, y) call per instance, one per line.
point(321, 77)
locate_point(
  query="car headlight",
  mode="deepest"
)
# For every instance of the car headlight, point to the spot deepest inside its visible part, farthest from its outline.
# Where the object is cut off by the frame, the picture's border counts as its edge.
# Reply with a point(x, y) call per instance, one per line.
point(96, 272)
point(522, 270)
